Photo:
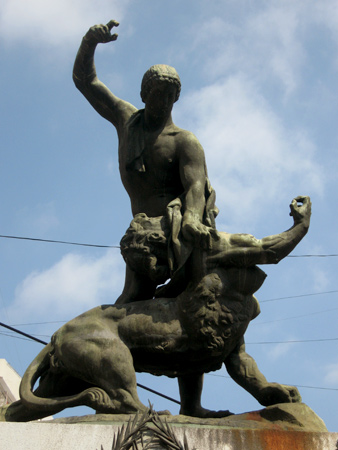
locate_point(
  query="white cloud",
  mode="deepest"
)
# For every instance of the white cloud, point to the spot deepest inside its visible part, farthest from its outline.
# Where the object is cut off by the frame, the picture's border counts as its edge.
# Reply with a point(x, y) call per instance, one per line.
point(326, 12)
point(269, 41)
point(279, 350)
point(71, 286)
point(320, 278)
point(264, 44)
point(53, 23)
point(332, 374)
point(251, 157)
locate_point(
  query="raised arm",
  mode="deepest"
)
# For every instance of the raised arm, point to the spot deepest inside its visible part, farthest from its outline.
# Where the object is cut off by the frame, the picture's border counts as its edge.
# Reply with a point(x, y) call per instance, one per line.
point(245, 250)
point(110, 107)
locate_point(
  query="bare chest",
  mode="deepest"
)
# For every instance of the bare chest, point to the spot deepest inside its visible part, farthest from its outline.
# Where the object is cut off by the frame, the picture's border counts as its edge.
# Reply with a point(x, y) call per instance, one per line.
point(159, 158)
point(150, 190)
point(160, 152)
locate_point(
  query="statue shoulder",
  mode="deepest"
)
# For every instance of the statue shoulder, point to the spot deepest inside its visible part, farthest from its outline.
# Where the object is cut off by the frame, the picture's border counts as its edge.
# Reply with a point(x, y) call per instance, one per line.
point(185, 135)
point(187, 143)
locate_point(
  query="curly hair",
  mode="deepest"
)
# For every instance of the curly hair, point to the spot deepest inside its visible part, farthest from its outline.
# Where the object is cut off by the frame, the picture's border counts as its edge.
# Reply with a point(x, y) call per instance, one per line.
point(159, 73)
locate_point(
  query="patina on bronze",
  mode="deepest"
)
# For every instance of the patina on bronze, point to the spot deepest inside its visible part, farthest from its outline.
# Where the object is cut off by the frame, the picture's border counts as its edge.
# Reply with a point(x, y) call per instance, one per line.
point(196, 322)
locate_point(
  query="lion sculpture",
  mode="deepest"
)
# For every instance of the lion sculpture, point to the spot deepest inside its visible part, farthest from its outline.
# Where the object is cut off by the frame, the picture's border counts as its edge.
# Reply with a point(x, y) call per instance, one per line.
point(92, 359)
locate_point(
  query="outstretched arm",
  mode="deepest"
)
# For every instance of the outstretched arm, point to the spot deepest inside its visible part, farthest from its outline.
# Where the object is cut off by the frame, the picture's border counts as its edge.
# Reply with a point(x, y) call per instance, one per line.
point(245, 250)
point(112, 108)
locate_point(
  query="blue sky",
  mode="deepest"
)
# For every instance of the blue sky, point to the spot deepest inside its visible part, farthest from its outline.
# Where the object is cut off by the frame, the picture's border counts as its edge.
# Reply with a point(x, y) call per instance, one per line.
point(259, 90)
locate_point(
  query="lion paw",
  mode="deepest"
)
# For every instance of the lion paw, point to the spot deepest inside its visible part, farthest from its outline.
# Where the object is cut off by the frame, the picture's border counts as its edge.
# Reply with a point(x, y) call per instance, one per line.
point(98, 399)
point(293, 394)
point(276, 393)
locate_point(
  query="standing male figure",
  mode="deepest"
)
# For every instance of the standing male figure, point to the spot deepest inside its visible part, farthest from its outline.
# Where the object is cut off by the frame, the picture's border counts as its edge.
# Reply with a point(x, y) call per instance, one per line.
point(160, 165)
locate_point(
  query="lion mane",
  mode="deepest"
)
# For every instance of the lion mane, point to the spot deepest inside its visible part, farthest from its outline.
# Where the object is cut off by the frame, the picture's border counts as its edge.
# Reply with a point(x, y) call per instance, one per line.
point(212, 321)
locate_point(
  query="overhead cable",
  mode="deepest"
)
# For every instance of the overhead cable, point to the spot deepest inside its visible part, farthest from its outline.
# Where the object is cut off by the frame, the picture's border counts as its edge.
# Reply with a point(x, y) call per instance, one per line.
point(59, 242)
point(297, 296)
point(295, 317)
point(293, 341)
point(296, 385)
point(23, 334)
point(117, 246)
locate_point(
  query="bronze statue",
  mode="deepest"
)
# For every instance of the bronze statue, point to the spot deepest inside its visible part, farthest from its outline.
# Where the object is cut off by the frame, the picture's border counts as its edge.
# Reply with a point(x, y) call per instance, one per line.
point(92, 359)
point(198, 319)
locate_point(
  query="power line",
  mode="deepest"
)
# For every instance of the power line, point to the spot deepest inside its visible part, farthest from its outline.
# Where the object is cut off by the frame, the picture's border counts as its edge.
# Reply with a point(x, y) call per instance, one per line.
point(157, 393)
point(311, 256)
point(13, 336)
point(59, 242)
point(296, 385)
point(297, 296)
point(23, 334)
point(36, 323)
point(292, 342)
point(117, 246)
point(36, 335)
point(295, 317)
point(315, 387)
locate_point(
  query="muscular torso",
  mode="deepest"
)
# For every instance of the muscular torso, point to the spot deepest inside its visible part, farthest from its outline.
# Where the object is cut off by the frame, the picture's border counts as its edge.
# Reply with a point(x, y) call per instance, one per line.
point(152, 190)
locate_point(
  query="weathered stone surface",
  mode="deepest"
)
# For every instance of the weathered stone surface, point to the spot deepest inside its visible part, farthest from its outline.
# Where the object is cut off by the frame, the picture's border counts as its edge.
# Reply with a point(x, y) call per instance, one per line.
point(278, 427)
point(295, 415)
point(284, 416)
point(58, 436)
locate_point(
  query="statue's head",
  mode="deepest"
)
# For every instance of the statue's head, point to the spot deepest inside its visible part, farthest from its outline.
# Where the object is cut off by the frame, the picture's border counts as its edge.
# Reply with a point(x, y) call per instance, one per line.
point(161, 73)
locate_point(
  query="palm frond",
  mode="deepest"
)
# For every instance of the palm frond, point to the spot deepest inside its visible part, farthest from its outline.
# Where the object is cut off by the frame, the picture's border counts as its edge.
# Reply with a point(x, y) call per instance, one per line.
point(132, 436)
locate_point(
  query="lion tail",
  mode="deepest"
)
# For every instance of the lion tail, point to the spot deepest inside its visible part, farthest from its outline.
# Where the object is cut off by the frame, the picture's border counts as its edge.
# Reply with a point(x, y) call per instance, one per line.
point(48, 405)
point(37, 367)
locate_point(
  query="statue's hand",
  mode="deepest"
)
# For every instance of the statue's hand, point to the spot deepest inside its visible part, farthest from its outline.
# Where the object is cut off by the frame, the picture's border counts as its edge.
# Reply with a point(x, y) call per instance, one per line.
point(100, 34)
point(300, 210)
point(196, 232)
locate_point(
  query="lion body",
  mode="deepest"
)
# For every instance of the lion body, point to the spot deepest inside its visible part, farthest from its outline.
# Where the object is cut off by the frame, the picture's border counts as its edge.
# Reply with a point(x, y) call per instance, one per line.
point(93, 358)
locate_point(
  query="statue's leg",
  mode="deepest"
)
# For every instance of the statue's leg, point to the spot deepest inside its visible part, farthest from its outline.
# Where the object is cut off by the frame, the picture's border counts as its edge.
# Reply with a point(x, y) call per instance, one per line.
point(243, 369)
point(136, 287)
point(190, 392)
point(118, 380)
point(105, 362)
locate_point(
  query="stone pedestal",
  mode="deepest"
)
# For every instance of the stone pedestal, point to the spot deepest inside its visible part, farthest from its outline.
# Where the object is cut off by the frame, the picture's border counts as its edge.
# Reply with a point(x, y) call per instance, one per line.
point(281, 427)
point(58, 436)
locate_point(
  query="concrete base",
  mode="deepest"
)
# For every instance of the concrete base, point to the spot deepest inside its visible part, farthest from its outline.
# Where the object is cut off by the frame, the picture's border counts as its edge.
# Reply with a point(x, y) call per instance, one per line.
point(91, 436)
